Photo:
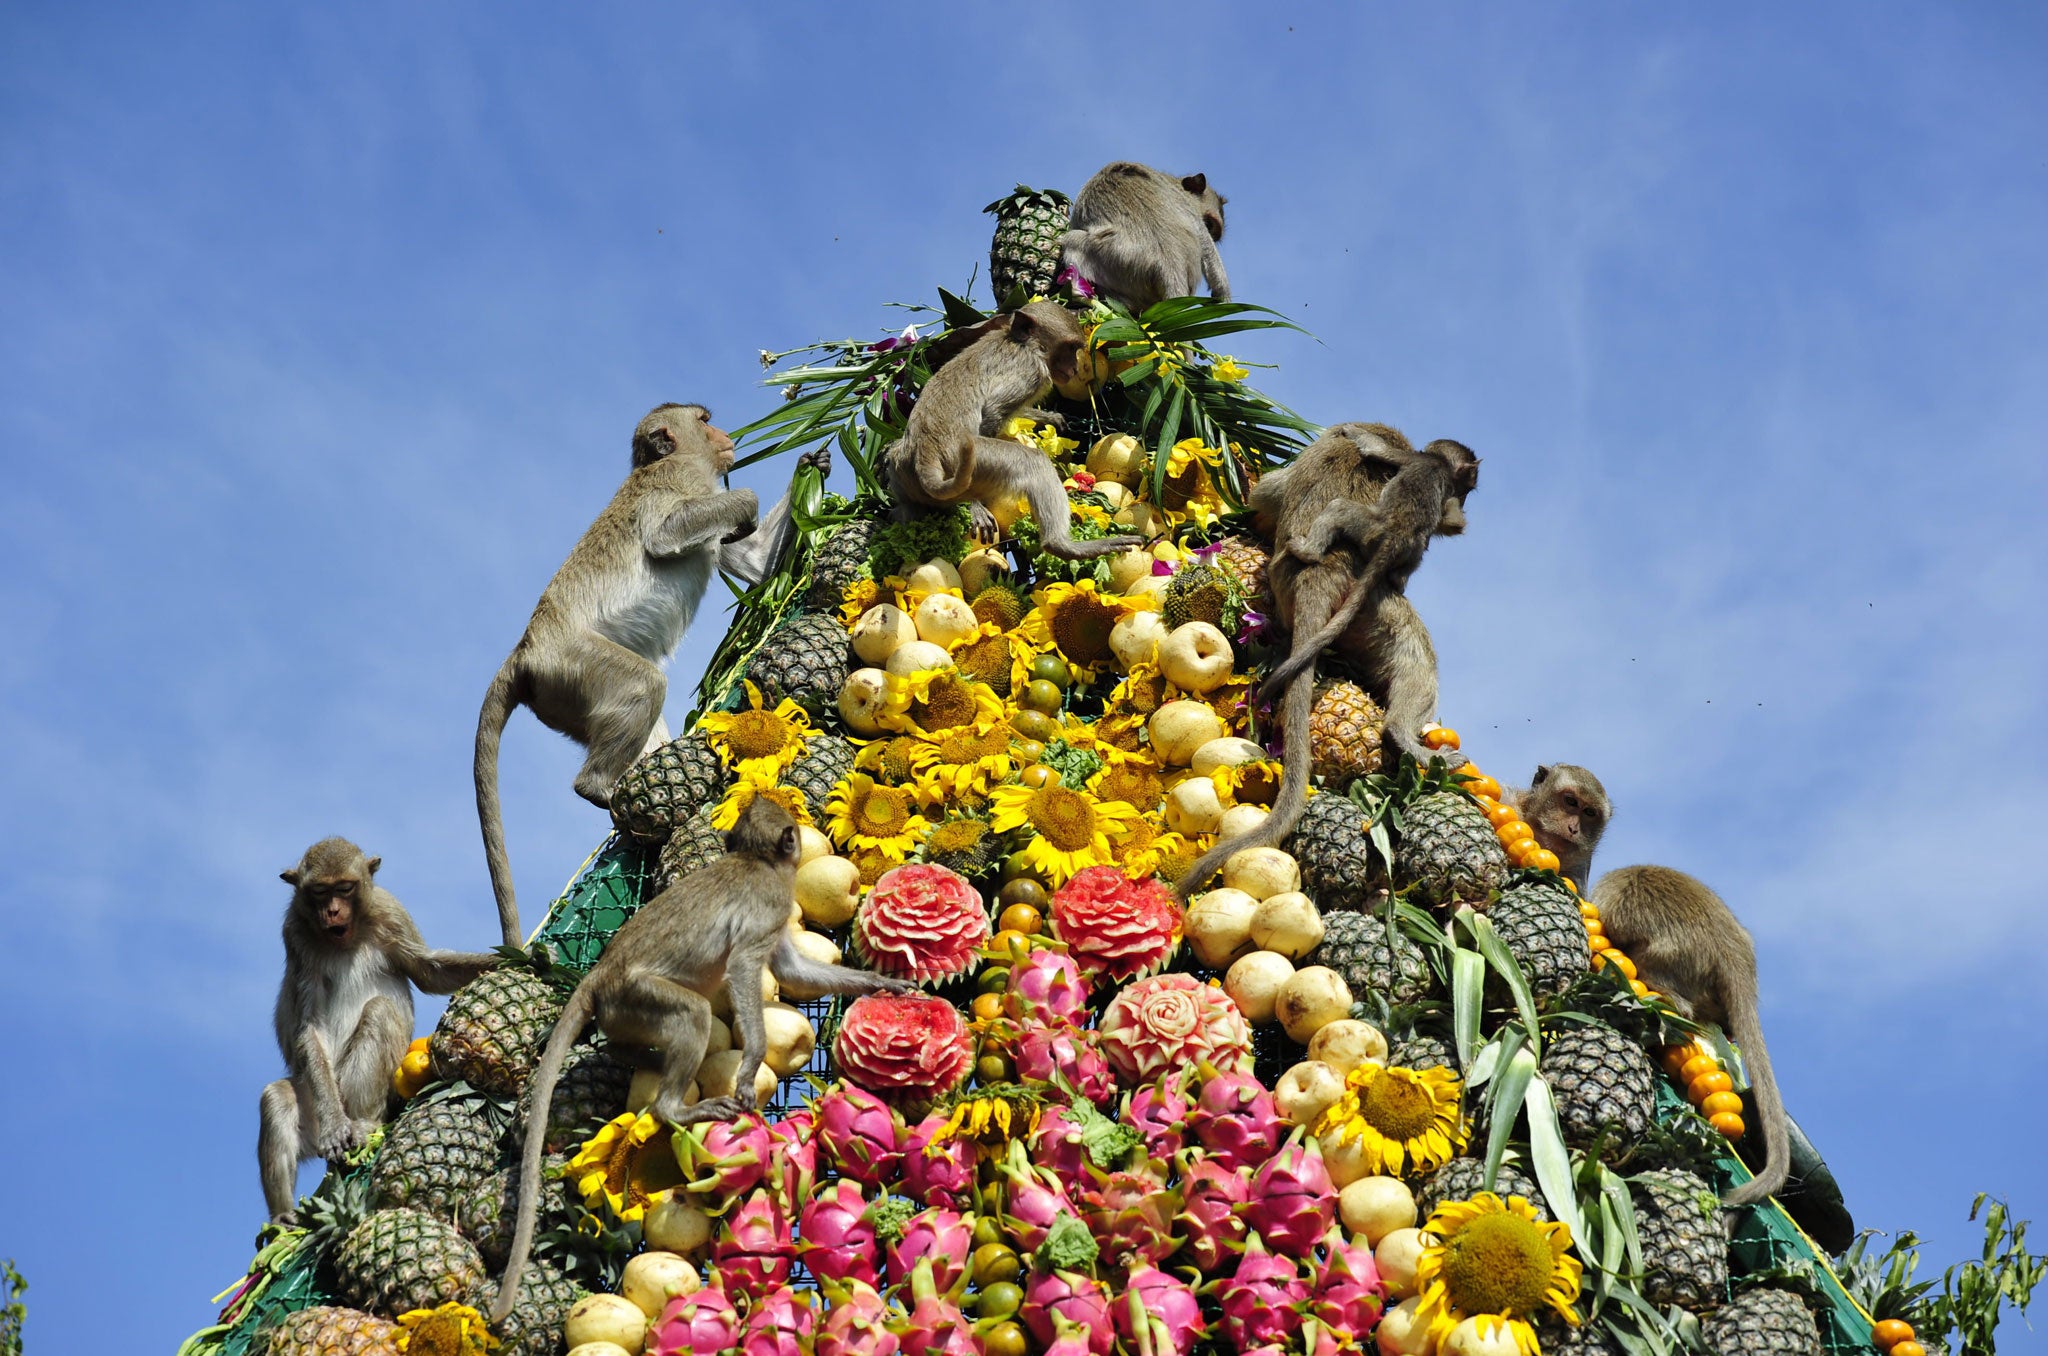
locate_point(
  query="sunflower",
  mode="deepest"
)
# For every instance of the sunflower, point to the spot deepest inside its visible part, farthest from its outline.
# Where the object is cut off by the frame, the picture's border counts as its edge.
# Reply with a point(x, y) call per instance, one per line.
point(1407, 1120)
point(1493, 1259)
point(624, 1164)
point(1124, 732)
point(1075, 619)
point(742, 794)
point(857, 598)
point(897, 760)
point(872, 864)
point(1143, 691)
point(964, 844)
point(1251, 783)
point(931, 700)
point(451, 1330)
point(968, 758)
point(1131, 778)
point(1174, 853)
point(989, 654)
point(881, 818)
point(758, 743)
point(1070, 830)
point(990, 1116)
point(1230, 700)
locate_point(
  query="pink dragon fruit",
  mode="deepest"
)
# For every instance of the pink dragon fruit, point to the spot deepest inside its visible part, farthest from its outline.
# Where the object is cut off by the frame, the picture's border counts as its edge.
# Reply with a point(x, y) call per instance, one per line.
point(794, 1167)
point(1063, 1054)
point(724, 1160)
point(703, 1320)
point(1130, 1212)
point(1292, 1201)
point(1159, 1112)
point(942, 1235)
point(1045, 986)
point(941, 1174)
point(1069, 1339)
point(1159, 1313)
point(779, 1324)
point(834, 1237)
point(754, 1250)
point(1259, 1301)
point(1054, 1295)
point(1057, 1145)
point(1234, 1119)
point(1348, 1295)
point(1211, 1195)
point(934, 1326)
point(1032, 1199)
point(855, 1324)
point(859, 1134)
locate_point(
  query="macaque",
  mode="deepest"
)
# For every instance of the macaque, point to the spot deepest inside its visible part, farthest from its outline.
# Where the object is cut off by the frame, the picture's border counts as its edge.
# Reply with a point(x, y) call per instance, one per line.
point(352, 955)
point(1141, 235)
point(1569, 810)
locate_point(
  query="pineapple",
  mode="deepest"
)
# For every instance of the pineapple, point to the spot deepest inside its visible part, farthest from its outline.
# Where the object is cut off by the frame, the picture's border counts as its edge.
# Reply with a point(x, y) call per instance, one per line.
point(1200, 593)
point(677, 779)
point(1024, 258)
point(1344, 731)
point(1448, 850)
point(1604, 1084)
point(1462, 1178)
point(1335, 855)
point(1540, 924)
point(694, 844)
point(1765, 1321)
point(822, 766)
point(840, 560)
point(1685, 1249)
point(1588, 1339)
point(803, 660)
point(486, 1214)
point(1244, 561)
point(435, 1153)
point(396, 1261)
point(326, 1330)
point(1420, 1050)
point(494, 1028)
point(534, 1327)
point(1359, 947)
point(591, 1090)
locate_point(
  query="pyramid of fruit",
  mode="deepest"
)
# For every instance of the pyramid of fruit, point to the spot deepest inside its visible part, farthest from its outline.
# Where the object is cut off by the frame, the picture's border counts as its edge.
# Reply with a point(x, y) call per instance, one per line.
point(1388, 1088)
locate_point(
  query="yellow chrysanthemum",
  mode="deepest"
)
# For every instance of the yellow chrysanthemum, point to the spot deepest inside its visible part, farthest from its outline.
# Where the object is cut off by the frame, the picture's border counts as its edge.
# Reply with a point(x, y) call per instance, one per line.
point(1190, 492)
point(1131, 778)
point(968, 758)
point(882, 819)
point(758, 743)
point(451, 1330)
point(1044, 437)
point(1071, 830)
point(1406, 1120)
point(989, 654)
point(896, 760)
point(625, 1164)
point(1492, 1259)
point(1075, 619)
point(1227, 368)
point(930, 701)
point(1252, 783)
point(856, 599)
point(1087, 511)
point(741, 794)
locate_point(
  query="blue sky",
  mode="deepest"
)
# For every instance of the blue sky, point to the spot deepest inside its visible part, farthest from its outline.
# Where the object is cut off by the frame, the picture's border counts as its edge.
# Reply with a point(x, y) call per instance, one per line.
point(325, 330)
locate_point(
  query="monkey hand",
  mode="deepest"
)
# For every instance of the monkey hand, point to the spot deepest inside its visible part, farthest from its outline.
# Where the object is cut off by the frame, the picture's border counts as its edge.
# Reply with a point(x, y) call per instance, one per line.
point(985, 527)
point(819, 458)
point(891, 984)
point(739, 533)
point(286, 1218)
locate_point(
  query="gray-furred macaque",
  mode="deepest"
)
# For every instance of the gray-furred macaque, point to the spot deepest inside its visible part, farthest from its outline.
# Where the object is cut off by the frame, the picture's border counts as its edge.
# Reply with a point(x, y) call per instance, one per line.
point(1384, 639)
point(650, 990)
point(1569, 810)
point(948, 454)
point(352, 955)
point(589, 665)
point(1142, 235)
point(1687, 945)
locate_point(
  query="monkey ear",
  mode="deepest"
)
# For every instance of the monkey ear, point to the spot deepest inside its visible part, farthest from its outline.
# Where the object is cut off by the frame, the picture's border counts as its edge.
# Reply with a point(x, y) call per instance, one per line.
point(1541, 774)
point(1022, 327)
point(1196, 184)
point(290, 876)
point(373, 863)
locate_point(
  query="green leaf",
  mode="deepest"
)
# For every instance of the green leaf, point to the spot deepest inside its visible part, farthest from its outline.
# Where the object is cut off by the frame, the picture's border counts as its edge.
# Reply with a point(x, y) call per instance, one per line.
point(1504, 1104)
point(960, 314)
point(1549, 1159)
point(1468, 986)
point(1503, 961)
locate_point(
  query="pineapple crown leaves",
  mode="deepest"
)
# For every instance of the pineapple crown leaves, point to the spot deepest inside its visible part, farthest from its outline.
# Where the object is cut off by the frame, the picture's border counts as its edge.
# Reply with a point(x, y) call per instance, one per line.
point(541, 961)
point(1385, 796)
point(1068, 1246)
point(1023, 196)
point(1883, 1283)
point(1974, 1292)
point(594, 1249)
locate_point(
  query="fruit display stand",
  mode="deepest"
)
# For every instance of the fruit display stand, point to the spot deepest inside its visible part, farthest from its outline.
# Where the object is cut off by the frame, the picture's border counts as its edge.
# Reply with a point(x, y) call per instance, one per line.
point(1386, 1089)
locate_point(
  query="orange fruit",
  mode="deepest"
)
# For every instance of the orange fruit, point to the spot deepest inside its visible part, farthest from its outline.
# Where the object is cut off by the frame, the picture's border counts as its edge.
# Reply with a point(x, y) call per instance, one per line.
point(1728, 1125)
point(1909, 1348)
point(1698, 1066)
point(1674, 1057)
point(1498, 814)
point(1642, 990)
point(1022, 918)
point(1513, 832)
point(988, 1006)
point(1440, 737)
point(1543, 859)
point(419, 1043)
point(1038, 776)
point(1595, 928)
point(1718, 1102)
point(1891, 1331)
point(1521, 850)
point(1010, 942)
point(1618, 961)
point(1706, 1085)
point(1479, 784)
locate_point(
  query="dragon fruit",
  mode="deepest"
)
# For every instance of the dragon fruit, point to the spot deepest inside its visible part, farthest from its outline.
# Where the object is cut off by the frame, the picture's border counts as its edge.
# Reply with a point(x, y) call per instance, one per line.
point(860, 1134)
point(1234, 1118)
point(703, 1320)
point(1292, 1201)
point(1211, 1195)
point(779, 1324)
point(854, 1324)
point(1259, 1300)
point(908, 1048)
point(1159, 1312)
point(1348, 1295)
point(1046, 986)
point(1058, 1146)
point(921, 922)
point(754, 1250)
point(1064, 1055)
point(1032, 1199)
point(1114, 925)
point(1159, 1112)
point(934, 1326)
point(793, 1168)
point(1069, 1339)
point(1130, 1212)
point(836, 1239)
point(724, 1160)
point(1054, 1295)
point(1167, 1022)
point(941, 1173)
point(944, 1236)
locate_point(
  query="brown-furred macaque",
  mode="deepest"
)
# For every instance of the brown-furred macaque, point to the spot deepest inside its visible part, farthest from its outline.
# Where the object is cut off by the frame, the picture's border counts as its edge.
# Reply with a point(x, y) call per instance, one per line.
point(1687, 945)
point(1385, 640)
point(1569, 810)
point(948, 454)
point(352, 955)
point(589, 665)
point(651, 989)
point(1142, 235)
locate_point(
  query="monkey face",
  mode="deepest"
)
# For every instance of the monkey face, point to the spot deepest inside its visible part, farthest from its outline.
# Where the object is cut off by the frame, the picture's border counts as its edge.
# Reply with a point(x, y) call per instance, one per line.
point(333, 906)
point(1064, 362)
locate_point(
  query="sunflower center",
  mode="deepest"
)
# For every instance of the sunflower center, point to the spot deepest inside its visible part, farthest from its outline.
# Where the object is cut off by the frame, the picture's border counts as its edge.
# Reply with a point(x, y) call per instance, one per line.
point(1397, 1107)
point(956, 835)
point(436, 1335)
point(757, 734)
point(1120, 732)
point(1063, 818)
point(947, 704)
point(1145, 694)
point(970, 746)
point(988, 660)
point(1499, 1263)
point(1081, 629)
point(618, 1166)
point(882, 813)
point(1175, 860)
point(1139, 786)
point(1256, 785)
point(891, 761)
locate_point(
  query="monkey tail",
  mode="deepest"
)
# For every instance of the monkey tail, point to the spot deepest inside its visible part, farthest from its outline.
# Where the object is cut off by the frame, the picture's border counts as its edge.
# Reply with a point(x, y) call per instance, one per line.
point(1287, 806)
point(499, 702)
point(1307, 649)
point(1749, 1037)
point(575, 1016)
